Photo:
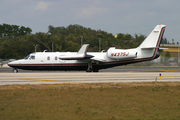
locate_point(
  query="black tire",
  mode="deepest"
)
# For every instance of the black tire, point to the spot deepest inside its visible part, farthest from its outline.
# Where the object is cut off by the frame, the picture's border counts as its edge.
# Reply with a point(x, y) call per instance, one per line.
point(15, 71)
point(89, 70)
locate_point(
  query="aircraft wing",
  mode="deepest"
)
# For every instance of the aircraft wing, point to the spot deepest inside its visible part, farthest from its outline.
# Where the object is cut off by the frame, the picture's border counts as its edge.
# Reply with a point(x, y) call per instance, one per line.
point(81, 54)
point(98, 59)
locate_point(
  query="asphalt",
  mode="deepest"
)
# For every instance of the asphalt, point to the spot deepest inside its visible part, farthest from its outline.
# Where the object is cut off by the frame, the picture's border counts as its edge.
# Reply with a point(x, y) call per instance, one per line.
point(117, 74)
point(114, 69)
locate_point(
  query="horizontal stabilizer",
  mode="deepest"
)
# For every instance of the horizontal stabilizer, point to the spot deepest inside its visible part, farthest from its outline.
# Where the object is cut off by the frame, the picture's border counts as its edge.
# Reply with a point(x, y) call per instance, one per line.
point(154, 48)
point(149, 48)
point(163, 48)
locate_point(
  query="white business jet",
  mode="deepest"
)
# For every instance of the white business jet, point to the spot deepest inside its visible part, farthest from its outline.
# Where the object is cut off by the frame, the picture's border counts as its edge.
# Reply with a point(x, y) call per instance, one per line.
point(92, 61)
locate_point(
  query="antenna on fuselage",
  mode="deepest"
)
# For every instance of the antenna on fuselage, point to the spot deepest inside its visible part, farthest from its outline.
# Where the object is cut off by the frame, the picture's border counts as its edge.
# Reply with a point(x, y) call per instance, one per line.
point(44, 50)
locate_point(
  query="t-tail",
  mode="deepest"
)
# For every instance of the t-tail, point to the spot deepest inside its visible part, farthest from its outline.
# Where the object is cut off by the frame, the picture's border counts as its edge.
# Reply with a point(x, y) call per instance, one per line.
point(150, 46)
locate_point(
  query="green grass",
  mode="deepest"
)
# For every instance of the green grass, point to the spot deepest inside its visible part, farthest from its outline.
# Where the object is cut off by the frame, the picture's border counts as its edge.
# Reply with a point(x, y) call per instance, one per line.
point(90, 101)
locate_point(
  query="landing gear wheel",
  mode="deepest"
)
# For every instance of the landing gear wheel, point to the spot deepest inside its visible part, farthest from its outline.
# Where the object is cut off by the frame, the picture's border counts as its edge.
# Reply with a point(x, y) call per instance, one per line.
point(15, 70)
point(89, 69)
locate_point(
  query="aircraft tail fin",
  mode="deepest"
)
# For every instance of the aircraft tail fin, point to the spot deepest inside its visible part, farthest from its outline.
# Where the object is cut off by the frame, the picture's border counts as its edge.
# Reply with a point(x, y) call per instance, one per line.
point(154, 38)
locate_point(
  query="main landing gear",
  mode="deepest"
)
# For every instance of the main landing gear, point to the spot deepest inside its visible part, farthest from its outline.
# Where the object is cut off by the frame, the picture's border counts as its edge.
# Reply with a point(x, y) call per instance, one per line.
point(90, 69)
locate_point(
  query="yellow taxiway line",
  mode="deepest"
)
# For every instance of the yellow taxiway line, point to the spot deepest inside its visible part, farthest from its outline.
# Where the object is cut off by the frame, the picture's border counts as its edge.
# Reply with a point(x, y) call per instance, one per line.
point(47, 80)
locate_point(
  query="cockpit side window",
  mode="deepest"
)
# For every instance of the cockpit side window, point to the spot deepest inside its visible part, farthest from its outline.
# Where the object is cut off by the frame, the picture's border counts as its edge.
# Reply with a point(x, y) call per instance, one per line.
point(32, 57)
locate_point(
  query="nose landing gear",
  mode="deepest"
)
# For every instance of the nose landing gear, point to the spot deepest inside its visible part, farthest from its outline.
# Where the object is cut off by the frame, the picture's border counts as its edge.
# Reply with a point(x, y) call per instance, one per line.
point(15, 70)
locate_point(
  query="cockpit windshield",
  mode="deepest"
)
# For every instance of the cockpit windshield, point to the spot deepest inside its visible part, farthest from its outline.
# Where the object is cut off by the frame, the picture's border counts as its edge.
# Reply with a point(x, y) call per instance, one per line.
point(26, 57)
point(30, 57)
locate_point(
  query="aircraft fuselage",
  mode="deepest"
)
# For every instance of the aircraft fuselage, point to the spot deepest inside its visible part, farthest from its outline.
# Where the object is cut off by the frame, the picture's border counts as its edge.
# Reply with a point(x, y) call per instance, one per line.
point(93, 61)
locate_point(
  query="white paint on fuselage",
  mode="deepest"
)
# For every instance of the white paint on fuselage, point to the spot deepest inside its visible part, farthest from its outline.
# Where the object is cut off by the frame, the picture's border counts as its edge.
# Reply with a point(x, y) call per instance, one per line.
point(146, 51)
point(53, 57)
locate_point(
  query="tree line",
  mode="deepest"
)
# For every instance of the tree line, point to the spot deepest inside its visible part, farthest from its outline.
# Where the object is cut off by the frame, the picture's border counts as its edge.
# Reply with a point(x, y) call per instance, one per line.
point(17, 42)
point(12, 31)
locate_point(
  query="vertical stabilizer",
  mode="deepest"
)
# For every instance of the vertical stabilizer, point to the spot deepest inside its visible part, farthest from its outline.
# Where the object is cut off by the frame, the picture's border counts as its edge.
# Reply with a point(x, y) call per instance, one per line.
point(154, 38)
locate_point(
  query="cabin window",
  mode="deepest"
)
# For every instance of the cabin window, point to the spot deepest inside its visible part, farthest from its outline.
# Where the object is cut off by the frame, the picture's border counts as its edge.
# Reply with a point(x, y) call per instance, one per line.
point(48, 58)
point(56, 58)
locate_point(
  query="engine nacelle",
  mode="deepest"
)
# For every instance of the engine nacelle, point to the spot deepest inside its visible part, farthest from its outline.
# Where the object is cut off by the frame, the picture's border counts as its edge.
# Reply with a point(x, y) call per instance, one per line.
point(121, 54)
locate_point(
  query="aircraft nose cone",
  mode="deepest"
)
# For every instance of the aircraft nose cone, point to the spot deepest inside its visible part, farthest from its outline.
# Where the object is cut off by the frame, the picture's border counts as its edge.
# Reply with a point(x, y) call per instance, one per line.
point(14, 63)
point(9, 64)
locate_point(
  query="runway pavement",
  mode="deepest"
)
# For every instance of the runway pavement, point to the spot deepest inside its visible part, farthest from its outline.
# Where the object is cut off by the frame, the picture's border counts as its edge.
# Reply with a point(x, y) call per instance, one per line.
point(82, 77)
point(114, 69)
